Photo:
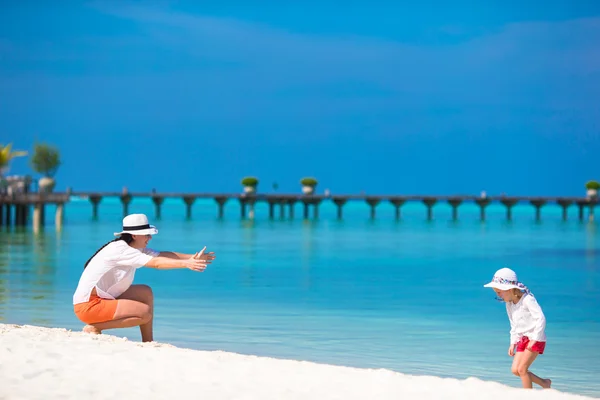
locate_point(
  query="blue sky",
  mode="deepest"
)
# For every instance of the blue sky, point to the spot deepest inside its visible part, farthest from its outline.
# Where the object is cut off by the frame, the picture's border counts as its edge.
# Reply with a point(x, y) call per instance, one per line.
point(382, 97)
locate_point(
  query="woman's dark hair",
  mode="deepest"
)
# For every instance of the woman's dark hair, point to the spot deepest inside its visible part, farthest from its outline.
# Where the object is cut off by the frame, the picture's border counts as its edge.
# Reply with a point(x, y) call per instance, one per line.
point(125, 236)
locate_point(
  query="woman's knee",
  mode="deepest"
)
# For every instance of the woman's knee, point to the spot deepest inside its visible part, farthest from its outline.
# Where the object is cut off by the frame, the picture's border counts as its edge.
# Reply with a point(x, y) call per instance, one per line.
point(515, 370)
point(144, 312)
point(147, 315)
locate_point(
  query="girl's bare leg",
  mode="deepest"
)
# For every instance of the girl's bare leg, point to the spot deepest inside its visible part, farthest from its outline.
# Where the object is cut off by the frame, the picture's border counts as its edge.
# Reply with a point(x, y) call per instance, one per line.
point(521, 364)
point(135, 307)
point(545, 383)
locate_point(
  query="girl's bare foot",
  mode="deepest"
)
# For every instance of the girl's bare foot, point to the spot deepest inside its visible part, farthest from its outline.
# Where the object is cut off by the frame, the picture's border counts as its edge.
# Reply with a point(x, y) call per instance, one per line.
point(547, 383)
point(91, 329)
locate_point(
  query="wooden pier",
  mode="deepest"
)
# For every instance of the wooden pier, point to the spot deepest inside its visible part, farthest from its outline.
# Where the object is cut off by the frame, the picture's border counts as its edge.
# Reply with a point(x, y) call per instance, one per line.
point(22, 203)
point(284, 202)
point(247, 202)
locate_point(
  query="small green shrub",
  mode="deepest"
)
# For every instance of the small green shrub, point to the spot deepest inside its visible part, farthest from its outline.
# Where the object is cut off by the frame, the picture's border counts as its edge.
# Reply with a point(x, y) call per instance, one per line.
point(45, 159)
point(592, 185)
point(250, 181)
point(308, 182)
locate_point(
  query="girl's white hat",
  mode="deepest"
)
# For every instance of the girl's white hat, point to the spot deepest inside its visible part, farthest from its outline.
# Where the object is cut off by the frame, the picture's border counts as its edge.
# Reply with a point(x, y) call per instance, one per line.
point(504, 279)
point(137, 224)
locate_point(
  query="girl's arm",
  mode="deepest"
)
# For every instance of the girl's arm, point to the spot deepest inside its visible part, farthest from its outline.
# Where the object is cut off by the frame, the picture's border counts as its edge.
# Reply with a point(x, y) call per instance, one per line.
point(514, 338)
point(539, 317)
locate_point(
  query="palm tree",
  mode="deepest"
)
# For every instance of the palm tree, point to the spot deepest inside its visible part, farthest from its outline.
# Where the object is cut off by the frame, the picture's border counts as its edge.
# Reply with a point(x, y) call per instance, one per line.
point(6, 155)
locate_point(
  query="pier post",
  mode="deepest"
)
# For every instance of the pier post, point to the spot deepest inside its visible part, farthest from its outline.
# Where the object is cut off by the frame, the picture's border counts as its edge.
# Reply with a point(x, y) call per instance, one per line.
point(281, 208)
point(59, 216)
point(125, 200)
point(397, 203)
point(482, 203)
point(38, 217)
point(95, 200)
point(316, 203)
point(291, 203)
point(454, 203)
point(251, 204)
point(158, 200)
point(16, 215)
point(306, 206)
point(581, 206)
point(564, 203)
point(538, 204)
point(19, 214)
point(248, 200)
point(429, 202)
point(189, 202)
point(242, 208)
point(272, 203)
point(591, 206)
point(373, 202)
point(8, 213)
point(339, 202)
point(509, 204)
point(307, 203)
point(21, 211)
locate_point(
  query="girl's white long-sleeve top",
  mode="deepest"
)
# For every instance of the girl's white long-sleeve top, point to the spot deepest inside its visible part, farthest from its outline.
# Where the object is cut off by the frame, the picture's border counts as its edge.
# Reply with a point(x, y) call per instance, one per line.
point(526, 319)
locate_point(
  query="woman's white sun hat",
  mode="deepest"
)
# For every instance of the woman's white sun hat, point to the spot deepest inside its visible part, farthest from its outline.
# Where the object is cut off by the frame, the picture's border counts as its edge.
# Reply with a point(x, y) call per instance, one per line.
point(505, 279)
point(137, 224)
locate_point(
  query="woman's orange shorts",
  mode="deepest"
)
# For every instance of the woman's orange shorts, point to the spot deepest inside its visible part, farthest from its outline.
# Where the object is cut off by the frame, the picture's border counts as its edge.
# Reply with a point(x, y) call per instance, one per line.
point(96, 310)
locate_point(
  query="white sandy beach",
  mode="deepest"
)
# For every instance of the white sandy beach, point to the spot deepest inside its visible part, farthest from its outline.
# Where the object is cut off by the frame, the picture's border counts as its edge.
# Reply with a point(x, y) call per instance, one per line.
point(45, 363)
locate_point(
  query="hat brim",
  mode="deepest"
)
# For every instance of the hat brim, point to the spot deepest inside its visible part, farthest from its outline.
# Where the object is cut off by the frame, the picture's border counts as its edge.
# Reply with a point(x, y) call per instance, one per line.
point(502, 286)
point(150, 231)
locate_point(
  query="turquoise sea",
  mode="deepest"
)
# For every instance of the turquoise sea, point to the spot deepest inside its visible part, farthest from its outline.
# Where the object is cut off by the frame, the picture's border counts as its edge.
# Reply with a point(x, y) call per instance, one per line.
point(404, 295)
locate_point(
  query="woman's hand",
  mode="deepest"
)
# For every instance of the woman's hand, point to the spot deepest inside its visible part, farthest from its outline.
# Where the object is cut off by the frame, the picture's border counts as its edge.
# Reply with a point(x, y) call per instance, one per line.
point(194, 264)
point(199, 261)
point(511, 350)
point(202, 256)
point(531, 344)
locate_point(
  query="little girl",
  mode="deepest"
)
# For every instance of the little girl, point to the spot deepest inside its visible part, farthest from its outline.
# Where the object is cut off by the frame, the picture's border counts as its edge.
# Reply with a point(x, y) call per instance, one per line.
point(527, 325)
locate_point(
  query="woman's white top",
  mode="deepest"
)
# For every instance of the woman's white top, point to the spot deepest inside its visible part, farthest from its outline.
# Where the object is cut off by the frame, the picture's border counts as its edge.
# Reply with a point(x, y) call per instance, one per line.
point(526, 319)
point(111, 271)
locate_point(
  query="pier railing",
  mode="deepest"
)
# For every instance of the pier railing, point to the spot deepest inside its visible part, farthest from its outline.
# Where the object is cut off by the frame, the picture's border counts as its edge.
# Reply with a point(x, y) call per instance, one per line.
point(24, 201)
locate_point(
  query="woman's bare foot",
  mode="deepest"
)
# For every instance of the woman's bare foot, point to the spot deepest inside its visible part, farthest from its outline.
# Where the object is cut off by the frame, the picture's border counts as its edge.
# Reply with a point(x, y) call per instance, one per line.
point(91, 329)
point(547, 383)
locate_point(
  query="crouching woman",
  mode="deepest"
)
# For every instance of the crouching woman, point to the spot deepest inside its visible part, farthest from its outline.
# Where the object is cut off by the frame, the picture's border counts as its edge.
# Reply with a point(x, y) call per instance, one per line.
point(106, 298)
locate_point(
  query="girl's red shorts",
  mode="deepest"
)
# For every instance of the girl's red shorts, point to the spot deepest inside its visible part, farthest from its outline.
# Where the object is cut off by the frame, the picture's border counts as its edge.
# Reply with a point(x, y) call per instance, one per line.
point(537, 347)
